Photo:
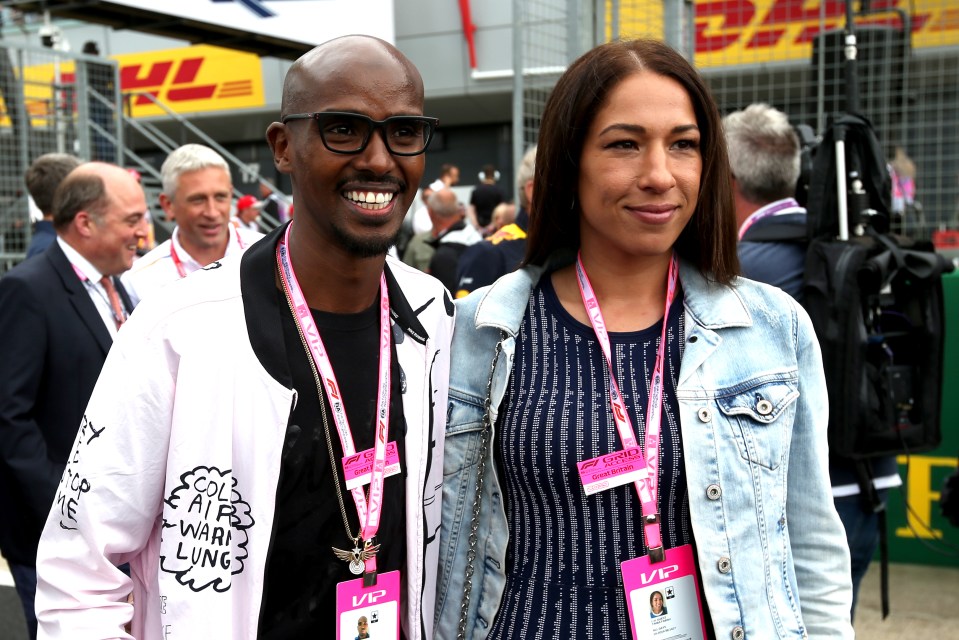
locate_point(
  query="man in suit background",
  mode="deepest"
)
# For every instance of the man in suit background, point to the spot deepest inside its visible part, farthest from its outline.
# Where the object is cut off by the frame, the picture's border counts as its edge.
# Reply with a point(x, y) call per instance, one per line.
point(42, 178)
point(59, 313)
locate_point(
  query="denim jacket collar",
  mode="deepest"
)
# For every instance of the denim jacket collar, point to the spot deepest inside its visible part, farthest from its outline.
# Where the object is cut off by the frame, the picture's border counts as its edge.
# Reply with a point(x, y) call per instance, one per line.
point(710, 304)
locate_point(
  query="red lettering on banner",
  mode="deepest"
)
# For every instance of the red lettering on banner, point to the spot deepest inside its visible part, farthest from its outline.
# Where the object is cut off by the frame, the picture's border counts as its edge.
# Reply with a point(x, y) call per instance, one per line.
point(236, 88)
point(188, 70)
point(191, 93)
point(773, 26)
point(130, 76)
point(736, 15)
point(763, 39)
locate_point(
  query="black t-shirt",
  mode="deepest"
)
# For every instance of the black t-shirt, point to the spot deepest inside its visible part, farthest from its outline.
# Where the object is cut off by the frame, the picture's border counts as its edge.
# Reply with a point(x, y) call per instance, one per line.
point(485, 197)
point(301, 570)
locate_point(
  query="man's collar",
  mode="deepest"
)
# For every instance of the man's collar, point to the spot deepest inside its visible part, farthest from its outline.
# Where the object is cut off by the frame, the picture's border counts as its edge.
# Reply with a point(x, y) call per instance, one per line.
point(456, 226)
point(79, 263)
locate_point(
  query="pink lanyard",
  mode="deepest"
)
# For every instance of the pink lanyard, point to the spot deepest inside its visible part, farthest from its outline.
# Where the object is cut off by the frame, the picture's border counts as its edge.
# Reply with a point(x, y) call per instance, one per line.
point(367, 509)
point(646, 487)
point(179, 264)
point(788, 203)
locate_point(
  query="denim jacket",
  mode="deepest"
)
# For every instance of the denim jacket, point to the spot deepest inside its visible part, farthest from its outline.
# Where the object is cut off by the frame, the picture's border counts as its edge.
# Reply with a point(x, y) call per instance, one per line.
point(771, 550)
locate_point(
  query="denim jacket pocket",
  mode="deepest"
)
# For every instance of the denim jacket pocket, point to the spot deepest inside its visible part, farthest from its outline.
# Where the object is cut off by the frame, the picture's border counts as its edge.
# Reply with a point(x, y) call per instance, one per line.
point(464, 430)
point(760, 413)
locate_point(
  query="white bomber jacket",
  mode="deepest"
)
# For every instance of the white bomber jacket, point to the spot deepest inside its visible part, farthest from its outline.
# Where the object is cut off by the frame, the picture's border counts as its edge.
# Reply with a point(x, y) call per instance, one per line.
point(175, 466)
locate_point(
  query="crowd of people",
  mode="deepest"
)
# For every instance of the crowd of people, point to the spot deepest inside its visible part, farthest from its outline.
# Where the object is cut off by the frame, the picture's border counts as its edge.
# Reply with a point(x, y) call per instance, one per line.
point(537, 420)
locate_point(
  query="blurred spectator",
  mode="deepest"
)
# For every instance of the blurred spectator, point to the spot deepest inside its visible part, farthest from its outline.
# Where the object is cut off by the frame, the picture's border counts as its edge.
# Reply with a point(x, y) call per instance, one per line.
point(452, 234)
point(485, 197)
point(503, 214)
point(418, 216)
point(42, 179)
point(907, 214)
point(903, 173)
point(449, 177)
point(197, 194)
point(248, 212)
point(419, 251)
point(503, 251)
point(59, 313)
point(274, 205)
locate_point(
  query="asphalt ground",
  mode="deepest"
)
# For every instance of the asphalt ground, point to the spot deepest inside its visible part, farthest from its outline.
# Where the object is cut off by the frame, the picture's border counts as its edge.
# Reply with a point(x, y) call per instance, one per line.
point(924, 603)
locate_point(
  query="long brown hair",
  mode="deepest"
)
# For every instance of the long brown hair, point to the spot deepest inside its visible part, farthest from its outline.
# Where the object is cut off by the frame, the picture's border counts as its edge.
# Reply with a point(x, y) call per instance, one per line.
point(709, 239)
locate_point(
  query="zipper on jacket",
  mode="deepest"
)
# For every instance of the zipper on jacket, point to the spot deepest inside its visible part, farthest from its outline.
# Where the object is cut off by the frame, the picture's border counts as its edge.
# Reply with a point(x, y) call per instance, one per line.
point(269, 548)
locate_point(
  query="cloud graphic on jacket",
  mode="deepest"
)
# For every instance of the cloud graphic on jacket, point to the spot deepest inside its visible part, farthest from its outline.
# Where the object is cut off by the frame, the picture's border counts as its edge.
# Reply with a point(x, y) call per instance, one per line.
point(204, 530)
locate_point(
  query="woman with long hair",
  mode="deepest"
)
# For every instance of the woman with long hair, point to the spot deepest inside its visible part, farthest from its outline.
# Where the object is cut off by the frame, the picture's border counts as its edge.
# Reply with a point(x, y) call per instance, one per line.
point(626, 413)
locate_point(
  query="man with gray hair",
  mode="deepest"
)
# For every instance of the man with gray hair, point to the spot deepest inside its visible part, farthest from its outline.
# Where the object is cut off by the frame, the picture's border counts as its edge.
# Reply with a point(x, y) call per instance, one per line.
point(197, 195)
point(764, 155)
point(451, 235)
point(42, 178)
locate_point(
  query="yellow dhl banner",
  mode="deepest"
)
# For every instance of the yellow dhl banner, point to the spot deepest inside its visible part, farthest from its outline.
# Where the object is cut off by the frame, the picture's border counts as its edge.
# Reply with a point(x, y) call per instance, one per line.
point(186, 80)
point(192, 79)
point(735, 32)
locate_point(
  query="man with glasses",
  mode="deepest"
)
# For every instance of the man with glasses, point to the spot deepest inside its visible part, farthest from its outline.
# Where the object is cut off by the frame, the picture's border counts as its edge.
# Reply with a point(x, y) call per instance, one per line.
point(279, 476)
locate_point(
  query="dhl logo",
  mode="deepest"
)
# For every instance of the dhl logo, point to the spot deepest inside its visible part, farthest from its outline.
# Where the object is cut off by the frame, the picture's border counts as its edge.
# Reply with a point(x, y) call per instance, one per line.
point(199, 78)
point(732, 32)
point(190, 79)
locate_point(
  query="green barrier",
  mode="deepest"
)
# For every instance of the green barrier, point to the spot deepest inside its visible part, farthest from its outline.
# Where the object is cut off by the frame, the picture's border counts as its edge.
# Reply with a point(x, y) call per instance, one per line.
point(919, 534)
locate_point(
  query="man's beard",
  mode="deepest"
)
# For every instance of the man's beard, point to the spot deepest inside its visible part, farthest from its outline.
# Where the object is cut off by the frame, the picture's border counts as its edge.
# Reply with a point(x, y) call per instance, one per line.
point(365, 247)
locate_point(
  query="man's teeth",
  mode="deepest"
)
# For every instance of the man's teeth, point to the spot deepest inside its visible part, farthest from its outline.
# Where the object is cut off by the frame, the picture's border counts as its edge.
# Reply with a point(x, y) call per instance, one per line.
point(372, 200)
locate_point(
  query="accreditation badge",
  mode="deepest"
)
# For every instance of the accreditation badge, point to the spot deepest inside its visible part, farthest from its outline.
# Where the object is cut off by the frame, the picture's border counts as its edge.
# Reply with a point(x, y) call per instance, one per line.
point(663, 597)
point(612, 470)
point(369, 612)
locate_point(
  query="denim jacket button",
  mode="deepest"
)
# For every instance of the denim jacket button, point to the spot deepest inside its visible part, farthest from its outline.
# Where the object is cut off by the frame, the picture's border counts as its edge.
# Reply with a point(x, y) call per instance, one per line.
point(705, 415)
point(724, 565)
point(764, 407)
point(713, 492)
point(738, 633)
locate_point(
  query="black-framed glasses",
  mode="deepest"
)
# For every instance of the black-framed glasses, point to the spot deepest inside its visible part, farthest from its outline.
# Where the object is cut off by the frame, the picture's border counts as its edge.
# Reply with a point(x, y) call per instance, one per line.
point(345, 132)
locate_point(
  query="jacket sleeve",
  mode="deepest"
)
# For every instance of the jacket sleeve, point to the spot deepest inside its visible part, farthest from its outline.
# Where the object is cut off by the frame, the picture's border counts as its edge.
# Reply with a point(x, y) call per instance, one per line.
point(819, 547)
point(108, 506)
point(22, 445)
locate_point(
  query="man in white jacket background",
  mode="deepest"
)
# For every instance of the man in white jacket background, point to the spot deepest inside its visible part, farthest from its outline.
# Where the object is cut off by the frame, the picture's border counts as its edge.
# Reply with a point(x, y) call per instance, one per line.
point(197, 195)
point(220, 464)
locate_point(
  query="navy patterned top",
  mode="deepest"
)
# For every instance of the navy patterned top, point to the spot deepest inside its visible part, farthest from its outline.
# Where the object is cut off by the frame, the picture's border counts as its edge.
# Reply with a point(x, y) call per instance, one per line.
point(563, 578)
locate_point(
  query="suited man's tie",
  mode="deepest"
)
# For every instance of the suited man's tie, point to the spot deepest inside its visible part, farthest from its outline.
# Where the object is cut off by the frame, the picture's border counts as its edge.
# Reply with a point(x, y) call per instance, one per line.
point(118, 315)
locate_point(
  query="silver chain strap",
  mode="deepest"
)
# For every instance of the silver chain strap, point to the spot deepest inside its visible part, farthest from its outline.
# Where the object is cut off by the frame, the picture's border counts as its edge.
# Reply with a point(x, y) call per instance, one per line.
point(477, 501)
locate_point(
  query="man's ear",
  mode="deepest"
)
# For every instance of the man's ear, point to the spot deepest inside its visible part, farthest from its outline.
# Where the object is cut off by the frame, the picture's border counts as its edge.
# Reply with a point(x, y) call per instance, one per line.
point(83, 223)
point(278, 137)
point(167, 205)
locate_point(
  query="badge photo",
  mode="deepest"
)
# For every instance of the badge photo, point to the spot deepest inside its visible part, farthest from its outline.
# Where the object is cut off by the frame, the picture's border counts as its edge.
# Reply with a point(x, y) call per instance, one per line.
point(371, 612)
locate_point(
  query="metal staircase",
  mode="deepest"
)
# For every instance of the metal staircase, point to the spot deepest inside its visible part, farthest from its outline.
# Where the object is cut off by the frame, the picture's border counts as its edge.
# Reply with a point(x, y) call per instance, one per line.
point(56, 101)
